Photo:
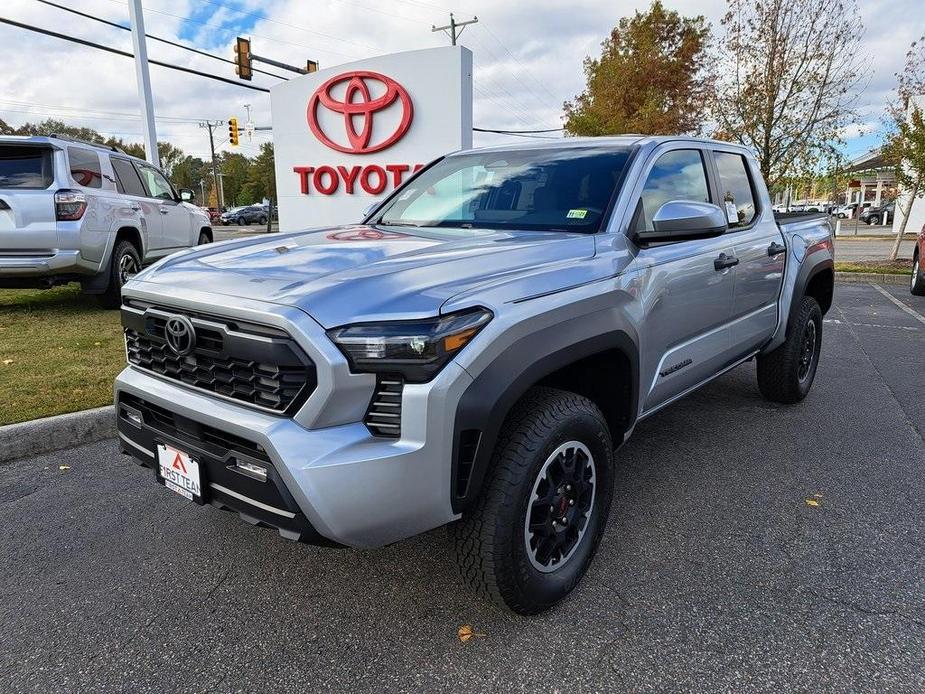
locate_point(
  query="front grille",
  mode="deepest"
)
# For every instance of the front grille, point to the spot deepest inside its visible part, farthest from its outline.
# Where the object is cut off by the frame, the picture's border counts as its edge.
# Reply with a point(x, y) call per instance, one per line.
point(261, 370)
point(384, 415)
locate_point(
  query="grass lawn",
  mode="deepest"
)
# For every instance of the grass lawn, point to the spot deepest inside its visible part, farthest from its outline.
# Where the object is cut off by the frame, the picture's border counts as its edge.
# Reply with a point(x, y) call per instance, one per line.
point(59, 352)
point(899, 266)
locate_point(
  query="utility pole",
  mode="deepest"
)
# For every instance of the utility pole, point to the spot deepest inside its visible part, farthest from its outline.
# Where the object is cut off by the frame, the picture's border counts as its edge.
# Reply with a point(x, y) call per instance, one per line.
point(454, 29)
point(211, 125)
point(137, 20)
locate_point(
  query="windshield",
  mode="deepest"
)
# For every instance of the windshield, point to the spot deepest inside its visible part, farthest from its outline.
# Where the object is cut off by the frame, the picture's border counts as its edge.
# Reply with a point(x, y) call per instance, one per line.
point(561, 189)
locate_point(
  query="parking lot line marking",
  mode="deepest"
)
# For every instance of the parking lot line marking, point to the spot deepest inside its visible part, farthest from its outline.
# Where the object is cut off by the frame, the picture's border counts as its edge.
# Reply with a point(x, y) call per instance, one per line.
point(836, 321)
point(911, 311)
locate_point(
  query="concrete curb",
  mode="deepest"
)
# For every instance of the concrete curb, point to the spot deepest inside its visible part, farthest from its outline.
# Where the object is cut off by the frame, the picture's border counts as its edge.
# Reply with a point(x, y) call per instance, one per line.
point(866, 277)
point(54, 433)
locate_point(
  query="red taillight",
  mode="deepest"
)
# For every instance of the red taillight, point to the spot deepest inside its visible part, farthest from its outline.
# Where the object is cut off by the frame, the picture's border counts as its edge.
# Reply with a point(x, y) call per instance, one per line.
point(69, 205)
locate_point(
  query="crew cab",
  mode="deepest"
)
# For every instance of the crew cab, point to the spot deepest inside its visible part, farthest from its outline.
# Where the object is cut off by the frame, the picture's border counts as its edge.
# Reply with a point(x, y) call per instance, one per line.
point(474, 353)
point(77, 211)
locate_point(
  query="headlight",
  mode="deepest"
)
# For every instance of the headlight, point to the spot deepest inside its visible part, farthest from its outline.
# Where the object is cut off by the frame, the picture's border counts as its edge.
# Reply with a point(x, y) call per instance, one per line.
point(415, 349)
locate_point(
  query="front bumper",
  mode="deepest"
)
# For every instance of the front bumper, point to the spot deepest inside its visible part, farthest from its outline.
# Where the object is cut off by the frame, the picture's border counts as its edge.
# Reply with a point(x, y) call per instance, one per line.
point(337, 484)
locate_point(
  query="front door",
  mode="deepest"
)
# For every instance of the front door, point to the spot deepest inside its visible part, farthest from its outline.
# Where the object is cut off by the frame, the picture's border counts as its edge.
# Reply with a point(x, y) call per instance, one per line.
point(175, 230)
point(687, 299)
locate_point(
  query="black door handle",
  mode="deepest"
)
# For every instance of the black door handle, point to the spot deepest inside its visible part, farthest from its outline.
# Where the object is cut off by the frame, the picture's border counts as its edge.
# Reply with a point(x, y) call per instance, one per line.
point(725, 261)
point(776, 248)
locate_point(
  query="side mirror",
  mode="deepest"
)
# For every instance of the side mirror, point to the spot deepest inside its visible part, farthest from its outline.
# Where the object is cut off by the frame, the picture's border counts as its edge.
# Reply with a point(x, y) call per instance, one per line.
point(685, 219)
point(186, 195)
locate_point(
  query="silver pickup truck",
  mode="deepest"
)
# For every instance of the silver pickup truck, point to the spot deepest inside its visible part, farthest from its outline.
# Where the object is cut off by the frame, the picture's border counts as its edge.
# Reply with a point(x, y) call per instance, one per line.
point(474, 352)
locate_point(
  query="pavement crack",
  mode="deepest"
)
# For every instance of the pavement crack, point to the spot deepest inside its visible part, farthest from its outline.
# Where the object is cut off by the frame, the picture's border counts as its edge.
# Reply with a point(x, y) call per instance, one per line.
point(863, 609)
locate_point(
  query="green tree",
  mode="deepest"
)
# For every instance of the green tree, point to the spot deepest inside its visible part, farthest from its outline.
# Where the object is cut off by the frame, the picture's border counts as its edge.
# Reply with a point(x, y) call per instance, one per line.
point(235, 169)
point(261, 180)
point(905, 144)
point(650, 78)
point(788, 75)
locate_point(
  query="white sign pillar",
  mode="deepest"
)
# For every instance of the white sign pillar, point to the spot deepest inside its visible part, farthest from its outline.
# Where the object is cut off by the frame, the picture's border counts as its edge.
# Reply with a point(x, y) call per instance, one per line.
point(346, 136)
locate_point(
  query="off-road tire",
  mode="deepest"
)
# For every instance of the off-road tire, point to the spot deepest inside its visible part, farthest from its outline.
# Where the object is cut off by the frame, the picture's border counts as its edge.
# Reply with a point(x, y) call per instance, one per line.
point(124, 250)
point(489, 540)
point(780, 371)
point(917, 280)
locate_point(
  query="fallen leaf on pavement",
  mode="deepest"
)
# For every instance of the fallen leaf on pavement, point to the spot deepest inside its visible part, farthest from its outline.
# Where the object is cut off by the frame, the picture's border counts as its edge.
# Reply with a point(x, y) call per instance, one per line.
point(64, 467)
point(812, 502)
point(465, 633)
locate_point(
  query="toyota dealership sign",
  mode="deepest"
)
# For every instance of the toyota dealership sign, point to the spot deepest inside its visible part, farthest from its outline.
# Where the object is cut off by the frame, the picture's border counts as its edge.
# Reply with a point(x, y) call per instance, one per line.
point(347, 136)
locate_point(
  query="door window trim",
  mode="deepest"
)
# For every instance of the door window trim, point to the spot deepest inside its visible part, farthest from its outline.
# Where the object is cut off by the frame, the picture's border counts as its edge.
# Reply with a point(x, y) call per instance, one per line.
point(140, 165)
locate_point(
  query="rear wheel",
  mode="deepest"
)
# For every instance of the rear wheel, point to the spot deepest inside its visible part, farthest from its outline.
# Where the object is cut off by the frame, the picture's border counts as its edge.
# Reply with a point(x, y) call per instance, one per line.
point(124, 264)
point(262, 221)
point(203, 239)
point(917, 285)
point(786, 374)
point(242, 222)
point(534, 531)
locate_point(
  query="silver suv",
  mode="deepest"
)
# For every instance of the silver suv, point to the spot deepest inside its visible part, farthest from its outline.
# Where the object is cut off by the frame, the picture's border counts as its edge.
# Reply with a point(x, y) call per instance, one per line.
point(77, 211)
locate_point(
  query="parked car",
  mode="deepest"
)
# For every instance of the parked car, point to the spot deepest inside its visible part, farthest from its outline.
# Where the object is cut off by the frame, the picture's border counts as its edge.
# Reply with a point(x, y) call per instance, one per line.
point(78, 211)
point(245, 215)
point(474, 353)
point(214, 214)
point(918, 256)
point(876, 215)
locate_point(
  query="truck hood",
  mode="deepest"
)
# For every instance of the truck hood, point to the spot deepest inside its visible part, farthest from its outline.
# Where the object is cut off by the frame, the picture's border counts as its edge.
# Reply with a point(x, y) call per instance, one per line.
point(360, 273)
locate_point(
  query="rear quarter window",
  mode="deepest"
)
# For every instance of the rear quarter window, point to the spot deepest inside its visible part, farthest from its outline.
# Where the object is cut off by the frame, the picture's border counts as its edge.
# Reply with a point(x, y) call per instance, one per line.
point(25, 167)
point(85, 167)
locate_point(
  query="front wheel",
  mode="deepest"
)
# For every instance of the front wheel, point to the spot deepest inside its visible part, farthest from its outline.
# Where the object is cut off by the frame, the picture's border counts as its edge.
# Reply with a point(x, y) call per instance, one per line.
point(786, 374)
point(534, 531)
point(917, 286)
point(262, 221)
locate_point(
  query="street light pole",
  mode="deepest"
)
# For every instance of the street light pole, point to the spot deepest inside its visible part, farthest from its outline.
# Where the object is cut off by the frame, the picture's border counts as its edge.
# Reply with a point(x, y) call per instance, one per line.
point(137, 20)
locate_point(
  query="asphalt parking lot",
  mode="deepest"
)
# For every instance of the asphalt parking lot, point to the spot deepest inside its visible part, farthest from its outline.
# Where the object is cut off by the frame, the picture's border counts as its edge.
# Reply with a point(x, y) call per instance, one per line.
point(752, 547)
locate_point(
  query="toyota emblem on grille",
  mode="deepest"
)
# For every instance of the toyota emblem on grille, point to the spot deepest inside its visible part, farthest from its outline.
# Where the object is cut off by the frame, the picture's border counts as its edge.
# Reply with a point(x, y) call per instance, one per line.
point(180, 335)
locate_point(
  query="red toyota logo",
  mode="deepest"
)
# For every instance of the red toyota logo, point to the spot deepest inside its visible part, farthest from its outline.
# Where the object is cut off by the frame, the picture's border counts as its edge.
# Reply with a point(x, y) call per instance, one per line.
point(359, 104)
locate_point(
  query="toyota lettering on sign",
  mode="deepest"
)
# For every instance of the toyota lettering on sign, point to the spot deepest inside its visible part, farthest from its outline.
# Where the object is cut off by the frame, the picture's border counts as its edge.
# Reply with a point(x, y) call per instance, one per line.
point(347, 136)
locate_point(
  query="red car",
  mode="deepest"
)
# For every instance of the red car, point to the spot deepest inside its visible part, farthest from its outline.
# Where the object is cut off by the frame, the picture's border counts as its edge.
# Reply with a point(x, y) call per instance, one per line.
point(214, 214)
point(918, 257)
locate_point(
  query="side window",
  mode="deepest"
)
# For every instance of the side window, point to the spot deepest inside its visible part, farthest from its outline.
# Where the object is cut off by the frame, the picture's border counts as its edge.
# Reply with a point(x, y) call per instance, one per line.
point(85, 167)
point(676, 175)
point(736, 186)
point(127, 180)
point(154, 181)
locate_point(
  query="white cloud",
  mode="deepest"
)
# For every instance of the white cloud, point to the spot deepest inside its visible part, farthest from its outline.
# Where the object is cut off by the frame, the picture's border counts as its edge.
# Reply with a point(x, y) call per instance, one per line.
point(528, 56)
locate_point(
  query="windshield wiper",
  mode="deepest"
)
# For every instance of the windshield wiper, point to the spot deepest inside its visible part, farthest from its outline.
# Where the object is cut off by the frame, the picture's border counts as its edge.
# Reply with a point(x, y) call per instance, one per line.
point(397, 224)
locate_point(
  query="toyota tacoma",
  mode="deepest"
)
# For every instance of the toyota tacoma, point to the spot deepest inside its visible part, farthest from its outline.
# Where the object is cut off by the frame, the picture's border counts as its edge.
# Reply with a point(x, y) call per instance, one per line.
point(473, 353)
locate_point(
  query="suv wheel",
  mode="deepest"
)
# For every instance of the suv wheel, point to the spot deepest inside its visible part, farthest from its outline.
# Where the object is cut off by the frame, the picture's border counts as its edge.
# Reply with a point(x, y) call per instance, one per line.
point(242, 222)
point(917, 286)
point(124, 264)
point(262, 221)
point(786, 374)
point(532, 534)
point(203, 239)
point(872, 220)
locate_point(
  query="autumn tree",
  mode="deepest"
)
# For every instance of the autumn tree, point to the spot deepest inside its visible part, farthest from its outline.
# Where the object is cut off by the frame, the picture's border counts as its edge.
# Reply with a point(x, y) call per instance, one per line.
point(905, 144)
point(649, 79)
point(788, 76)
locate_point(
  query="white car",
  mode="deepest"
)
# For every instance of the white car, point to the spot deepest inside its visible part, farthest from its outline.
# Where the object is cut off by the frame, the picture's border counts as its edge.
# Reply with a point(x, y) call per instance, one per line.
point(78, 211)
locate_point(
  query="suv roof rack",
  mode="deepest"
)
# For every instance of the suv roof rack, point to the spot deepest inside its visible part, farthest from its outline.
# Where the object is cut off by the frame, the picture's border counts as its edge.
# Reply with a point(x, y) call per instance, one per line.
point(101, 145)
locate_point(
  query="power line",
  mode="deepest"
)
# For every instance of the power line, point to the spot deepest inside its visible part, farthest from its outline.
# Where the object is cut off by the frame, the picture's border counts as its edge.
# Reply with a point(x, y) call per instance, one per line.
point(518, 132)
point(152, 36)
point(91, 44)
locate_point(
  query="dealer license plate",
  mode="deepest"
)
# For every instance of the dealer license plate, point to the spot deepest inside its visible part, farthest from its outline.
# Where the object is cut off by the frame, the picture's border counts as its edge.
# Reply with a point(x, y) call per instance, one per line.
point(179, 472)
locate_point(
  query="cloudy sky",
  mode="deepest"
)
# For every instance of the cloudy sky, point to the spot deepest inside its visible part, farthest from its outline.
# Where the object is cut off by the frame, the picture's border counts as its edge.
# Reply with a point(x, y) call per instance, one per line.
point(528, 56)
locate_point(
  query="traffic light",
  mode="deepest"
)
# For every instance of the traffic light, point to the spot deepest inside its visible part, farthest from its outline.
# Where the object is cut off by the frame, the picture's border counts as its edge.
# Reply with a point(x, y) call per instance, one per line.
point(242, 59)
point(233, 131)
point(311, 66)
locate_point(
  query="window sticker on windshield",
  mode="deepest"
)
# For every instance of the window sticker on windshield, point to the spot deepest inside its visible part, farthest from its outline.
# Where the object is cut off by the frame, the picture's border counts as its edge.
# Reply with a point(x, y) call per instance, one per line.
point(407, 194)
point(577, 214)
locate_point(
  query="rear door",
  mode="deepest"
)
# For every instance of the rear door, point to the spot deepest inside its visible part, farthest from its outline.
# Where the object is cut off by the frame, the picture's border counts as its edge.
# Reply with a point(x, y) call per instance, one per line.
point(759, 246)
point(27, 204)
point(687, 299)
point(129, 183)
point(175, 230)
